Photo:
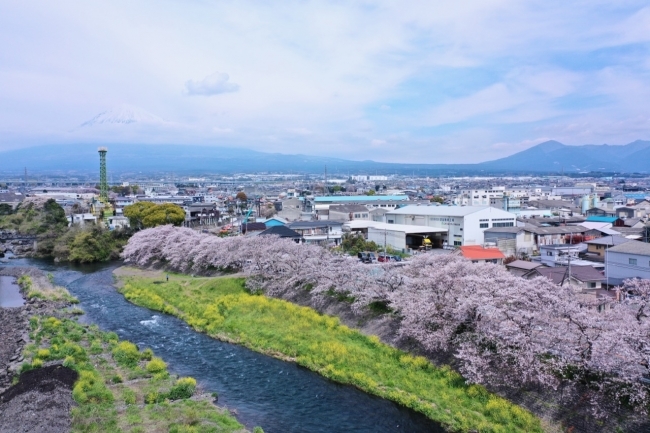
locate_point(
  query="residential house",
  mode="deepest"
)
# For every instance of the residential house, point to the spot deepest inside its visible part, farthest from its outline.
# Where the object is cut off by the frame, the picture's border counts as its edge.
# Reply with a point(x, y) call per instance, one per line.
point(348, 212)
point(627, 260)
point(521, 267)
point(596, 247)
point(479, 254)
point(327, 232)
point(282, 232)
point(82, 219)
point(584, 278)
point(118, 222)
point(275, 222)
point(561, 255)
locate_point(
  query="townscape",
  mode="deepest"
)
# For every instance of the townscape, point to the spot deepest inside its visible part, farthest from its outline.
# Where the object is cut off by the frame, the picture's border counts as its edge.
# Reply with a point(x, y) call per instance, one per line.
point(325, 217)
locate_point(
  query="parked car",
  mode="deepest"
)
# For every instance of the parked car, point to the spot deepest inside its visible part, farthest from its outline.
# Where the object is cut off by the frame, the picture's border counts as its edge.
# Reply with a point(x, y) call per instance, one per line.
point(383, 257)
point(367, 257)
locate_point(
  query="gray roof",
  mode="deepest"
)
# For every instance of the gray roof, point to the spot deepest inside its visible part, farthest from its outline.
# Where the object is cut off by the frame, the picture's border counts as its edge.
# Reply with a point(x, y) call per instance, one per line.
point(550, 204)
point(313, 224)
point(560, 273)
point(608, 240)
point(558, 230)
point(505, 230)
point(444, 210)
point(347, 208)
point(522, 264)
point(632, 247)
point(282, 231)
point(553, 220)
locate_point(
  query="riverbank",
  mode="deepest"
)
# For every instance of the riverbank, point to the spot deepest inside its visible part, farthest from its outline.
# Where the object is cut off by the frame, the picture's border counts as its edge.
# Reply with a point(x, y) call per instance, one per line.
point(222, 308)
point(78, 378)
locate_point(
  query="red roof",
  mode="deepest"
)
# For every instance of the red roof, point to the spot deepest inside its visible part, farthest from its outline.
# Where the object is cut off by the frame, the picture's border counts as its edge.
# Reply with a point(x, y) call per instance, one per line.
point(477, 252)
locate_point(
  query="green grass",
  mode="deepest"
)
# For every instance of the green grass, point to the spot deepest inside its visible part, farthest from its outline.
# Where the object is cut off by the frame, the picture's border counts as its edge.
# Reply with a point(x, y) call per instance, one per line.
point(222, 308)
point(107, 402)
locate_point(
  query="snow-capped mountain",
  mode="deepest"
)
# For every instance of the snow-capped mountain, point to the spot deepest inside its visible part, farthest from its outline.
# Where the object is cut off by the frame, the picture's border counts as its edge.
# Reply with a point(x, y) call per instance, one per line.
point(124, 114)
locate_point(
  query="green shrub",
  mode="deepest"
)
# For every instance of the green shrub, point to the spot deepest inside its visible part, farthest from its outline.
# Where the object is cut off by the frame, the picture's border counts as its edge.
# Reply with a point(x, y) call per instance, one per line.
point(152, 397)
point(37, 363)
point(146, 354)
point(117, 379)
point(126, 354)
point(156, 365)
point(43, 353)
point(128, 395)
point(90, 388)
point(258, 429)
point(183, 388)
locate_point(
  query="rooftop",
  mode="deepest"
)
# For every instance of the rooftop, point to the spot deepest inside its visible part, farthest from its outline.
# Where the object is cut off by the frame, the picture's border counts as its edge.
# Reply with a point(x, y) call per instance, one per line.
point(346, 208)
point(477, 252)
point(445, 210)
point(631, 247)
point(359, 198)
point(601, 219)
point(608, 240)
point(522, 264)
point(282, 231)
point(560, 273)
point(313, 224)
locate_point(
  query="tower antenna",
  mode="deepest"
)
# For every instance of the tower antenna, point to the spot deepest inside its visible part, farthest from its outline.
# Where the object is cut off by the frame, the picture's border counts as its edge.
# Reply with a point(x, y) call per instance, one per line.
point(103, 184)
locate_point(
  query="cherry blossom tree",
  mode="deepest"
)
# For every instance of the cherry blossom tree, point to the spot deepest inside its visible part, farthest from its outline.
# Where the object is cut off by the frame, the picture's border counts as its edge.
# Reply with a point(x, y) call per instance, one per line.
point(501, 329)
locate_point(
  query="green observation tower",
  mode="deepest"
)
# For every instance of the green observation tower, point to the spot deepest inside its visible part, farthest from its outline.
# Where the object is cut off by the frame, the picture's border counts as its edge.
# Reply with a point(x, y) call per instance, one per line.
point(103, 184)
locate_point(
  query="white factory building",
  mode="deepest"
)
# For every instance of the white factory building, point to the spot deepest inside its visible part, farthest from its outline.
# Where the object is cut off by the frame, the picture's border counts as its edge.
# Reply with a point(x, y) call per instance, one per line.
point(464, 224)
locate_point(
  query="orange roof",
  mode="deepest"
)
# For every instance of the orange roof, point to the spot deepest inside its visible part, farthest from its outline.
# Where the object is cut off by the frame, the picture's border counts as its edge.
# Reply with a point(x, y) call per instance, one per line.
point(477, 252)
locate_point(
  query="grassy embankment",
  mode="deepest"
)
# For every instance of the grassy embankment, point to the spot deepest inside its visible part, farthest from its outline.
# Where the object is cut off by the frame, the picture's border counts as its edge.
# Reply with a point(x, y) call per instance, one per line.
point(120, 389)
point(222, 308)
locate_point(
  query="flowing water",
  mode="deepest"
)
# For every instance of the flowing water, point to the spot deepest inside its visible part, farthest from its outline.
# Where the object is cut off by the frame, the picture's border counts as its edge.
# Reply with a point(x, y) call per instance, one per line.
point(279, 396)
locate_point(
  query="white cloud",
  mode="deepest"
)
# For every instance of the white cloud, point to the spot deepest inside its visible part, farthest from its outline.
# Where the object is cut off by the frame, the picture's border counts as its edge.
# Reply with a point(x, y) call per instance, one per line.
point(431, 78)
point(214, 84)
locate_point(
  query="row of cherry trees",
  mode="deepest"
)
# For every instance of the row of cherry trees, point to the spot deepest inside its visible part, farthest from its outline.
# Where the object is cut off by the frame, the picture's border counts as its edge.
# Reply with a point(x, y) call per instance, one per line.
point(500, 328)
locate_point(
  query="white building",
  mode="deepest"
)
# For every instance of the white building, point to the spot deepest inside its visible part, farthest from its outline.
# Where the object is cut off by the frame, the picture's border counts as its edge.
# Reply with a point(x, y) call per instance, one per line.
point(479, 197)
point(368, 178)
point(465, 224)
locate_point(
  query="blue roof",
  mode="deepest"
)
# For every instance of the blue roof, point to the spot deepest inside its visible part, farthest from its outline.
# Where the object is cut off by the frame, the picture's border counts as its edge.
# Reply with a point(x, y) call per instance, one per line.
point(636, 195)
point(358, 198)
point(601, 219)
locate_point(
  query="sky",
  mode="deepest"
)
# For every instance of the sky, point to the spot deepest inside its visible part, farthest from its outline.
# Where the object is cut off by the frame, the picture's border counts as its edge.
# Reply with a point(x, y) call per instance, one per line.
point(415, 81)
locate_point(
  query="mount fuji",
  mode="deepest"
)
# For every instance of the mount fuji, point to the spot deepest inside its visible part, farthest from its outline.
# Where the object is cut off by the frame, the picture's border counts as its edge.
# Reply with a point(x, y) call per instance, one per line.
point(123, 115)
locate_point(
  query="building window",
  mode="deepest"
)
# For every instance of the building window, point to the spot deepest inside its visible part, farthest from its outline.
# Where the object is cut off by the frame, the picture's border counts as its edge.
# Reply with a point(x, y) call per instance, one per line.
point(632, 261)
point(391, 221)
point(503, 224)
point(592, 285)
point(549, 253)
point(457, 243)
point(483, 225)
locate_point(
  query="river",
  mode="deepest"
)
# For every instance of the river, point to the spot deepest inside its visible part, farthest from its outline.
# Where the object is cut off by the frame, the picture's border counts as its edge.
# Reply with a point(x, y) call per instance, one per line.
point(279, 396)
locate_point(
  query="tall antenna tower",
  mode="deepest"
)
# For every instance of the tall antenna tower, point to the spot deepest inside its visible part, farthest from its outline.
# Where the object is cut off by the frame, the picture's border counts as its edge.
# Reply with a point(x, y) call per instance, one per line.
point(103, 184)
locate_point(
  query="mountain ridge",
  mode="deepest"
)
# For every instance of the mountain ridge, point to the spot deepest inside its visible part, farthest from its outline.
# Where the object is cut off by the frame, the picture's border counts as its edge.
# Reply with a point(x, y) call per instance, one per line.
point(547, 157)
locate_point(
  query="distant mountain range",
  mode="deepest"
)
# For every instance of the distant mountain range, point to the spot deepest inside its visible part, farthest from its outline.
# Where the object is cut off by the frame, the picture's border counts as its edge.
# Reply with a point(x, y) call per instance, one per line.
point(547, 157)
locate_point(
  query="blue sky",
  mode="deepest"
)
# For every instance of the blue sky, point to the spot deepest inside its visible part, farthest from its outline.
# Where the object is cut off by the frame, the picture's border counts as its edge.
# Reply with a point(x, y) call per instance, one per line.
point(417, 81)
